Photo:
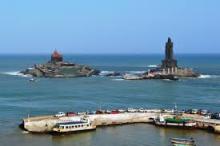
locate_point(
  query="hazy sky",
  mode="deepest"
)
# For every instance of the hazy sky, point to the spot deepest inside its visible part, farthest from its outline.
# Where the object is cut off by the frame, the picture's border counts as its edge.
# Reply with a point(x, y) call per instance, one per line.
point(109, 26)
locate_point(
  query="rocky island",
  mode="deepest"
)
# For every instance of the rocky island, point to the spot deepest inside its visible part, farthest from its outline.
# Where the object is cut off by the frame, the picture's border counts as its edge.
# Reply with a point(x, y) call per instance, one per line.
point(168, 70)
point(57, 68)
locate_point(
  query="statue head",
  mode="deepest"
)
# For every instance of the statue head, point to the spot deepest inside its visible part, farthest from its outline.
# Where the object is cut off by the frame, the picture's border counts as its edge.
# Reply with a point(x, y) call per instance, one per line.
point(169, 60)
point(169, 40)
point(169, 43)
point(169, 49)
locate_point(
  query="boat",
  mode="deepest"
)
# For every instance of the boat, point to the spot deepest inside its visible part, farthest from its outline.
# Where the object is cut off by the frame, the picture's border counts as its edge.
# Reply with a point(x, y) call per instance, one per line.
point(132, 110)
point(121, 110)
point(60, 114)
point(182, 142)
point(74, 126)
point(176, 121)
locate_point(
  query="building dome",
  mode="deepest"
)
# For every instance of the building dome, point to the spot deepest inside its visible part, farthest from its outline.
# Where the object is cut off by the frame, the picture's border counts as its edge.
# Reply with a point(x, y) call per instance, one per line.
point(56, 56)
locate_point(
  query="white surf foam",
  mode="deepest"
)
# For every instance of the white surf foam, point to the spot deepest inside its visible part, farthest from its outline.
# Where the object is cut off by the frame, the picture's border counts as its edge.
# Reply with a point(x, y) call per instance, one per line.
point(118, 79)
point(25, 132)
point(167, 80)
point(203, 76)
point(16, 73)
point(136, 72)
point(105, 72)
point(152, 65)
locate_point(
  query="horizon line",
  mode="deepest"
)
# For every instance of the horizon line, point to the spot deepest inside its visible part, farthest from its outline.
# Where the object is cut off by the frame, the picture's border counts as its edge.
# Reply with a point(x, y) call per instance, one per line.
point(192, 53)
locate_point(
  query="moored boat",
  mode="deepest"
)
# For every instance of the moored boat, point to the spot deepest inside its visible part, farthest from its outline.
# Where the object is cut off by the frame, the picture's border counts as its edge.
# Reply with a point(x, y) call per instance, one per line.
point(73, 126)
point(182, 142)
point(175, 121)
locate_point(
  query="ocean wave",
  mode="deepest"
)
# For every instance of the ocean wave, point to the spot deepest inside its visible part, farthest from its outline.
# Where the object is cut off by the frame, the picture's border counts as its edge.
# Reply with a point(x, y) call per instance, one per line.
point(136, 72)
point(16, 73)
point(105, 72)
point(203, 76)
point(118, 79)
point(25, 132)
point(167, 80)
point(152, 65)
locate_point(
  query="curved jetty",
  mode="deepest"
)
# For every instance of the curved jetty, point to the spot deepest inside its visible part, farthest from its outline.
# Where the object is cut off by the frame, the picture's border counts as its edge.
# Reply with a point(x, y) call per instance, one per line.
point(69, 122)
point(47, 123)
point(57, 68)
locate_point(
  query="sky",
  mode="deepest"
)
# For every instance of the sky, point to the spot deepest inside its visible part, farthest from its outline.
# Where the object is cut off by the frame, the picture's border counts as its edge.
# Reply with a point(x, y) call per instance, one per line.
point(109, 26)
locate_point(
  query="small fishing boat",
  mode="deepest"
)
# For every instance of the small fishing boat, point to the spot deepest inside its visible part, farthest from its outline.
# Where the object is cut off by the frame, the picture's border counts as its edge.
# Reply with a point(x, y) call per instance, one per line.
point(182, 142)
point(176, 121)
point(74, 126)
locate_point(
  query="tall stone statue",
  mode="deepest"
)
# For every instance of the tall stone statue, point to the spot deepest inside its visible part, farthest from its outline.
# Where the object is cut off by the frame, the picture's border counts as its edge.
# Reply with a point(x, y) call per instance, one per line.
point(169, 61)
point(169, 49)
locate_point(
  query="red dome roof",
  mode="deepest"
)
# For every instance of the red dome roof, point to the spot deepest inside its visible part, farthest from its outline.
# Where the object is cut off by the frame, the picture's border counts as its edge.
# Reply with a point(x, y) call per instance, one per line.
point(56, 54)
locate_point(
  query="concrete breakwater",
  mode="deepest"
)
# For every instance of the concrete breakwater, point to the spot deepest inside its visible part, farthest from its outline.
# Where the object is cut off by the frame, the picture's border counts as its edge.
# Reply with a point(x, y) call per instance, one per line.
point(45, 124)
point(56, 67)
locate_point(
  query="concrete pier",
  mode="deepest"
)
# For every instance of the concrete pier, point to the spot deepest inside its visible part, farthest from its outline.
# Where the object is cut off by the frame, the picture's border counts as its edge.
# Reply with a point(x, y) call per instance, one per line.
point(44, 124)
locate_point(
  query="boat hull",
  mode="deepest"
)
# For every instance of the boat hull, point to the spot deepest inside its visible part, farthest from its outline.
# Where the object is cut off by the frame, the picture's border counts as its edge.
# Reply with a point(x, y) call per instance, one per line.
point(182, 142)
point(71, 132)
point(183, 125)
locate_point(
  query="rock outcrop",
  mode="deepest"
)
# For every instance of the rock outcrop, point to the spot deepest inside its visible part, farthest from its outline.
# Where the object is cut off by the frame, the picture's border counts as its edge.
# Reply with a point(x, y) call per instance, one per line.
point(168, 70)
point(57, 68)
point(169, 64)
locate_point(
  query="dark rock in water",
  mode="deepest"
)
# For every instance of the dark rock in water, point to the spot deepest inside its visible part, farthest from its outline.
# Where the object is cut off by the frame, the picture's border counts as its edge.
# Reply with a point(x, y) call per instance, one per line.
point(169, 64)
point(168, 77)
point(146, 77)
point(57, 68)
point(168, 70)
point(114, 74)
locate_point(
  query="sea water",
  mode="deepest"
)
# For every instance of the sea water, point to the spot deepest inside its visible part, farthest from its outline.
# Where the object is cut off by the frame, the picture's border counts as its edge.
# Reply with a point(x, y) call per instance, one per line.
point(20, 98)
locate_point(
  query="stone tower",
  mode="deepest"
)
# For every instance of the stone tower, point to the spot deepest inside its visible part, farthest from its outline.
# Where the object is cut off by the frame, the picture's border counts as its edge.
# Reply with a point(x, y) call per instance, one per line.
point(169, 61)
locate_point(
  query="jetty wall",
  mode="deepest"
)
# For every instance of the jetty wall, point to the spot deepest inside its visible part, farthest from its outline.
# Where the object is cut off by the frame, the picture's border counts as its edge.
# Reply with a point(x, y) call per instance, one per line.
point(46, 123)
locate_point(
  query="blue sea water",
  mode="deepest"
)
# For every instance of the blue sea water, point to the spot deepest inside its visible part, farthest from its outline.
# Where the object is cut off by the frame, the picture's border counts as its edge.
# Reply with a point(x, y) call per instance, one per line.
point(19, 97)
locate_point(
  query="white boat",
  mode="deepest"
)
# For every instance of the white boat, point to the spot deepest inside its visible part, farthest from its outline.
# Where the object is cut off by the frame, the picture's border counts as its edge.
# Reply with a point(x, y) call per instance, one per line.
point(132, 110)
point(142, 110)
point(108, 112)
point(74, 126)
point(153, 110)
point(121, 110)
point(60, 114)
point(182, 142)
